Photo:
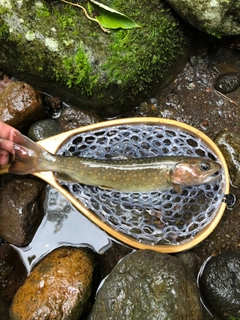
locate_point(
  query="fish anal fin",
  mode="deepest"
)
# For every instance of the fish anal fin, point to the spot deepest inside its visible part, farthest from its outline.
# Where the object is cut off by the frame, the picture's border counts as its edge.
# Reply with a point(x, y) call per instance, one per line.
point(105, 188)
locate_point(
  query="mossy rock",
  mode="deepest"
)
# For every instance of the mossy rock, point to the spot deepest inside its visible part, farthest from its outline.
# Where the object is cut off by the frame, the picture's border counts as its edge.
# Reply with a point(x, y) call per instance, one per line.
point(218, 18)
point(54, 47)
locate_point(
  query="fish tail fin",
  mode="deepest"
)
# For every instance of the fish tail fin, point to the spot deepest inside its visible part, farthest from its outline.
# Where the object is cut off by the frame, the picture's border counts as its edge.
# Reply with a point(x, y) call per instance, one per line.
point(27, 155)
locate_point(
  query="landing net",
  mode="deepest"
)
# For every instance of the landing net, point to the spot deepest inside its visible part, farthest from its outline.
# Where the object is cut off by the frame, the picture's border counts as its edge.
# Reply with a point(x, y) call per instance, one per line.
point(155, 218)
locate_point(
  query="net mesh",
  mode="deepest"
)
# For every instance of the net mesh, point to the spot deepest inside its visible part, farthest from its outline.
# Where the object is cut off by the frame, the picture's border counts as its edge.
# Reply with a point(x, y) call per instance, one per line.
point(155, 218)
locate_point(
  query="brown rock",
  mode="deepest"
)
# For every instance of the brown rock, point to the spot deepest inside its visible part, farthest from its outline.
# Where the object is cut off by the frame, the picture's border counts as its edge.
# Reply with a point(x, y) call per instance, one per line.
point(12, 272)
point(73, 117)
point(20, 105)
point(58, 287)
point(4, 306)
point(21, 209)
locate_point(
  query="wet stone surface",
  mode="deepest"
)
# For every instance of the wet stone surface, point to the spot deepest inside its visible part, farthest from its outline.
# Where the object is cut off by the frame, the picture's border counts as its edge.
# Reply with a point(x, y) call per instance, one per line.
point(20, 104)
point(220, 285)
point(148, 285)
point(12, 272)
point(44, 129)
point(21, 209)
point(59, 287)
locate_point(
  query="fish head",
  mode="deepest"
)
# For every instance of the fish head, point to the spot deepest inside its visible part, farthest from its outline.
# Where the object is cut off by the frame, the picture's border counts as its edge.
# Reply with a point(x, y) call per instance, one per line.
point(195, 171)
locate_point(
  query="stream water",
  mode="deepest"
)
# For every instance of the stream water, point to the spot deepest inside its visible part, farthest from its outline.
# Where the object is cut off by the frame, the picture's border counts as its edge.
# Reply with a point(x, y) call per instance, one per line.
point(62, 225)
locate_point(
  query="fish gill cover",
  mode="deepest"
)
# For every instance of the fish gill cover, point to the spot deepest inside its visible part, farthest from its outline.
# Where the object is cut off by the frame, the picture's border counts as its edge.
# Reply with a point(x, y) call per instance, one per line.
point(156, 218)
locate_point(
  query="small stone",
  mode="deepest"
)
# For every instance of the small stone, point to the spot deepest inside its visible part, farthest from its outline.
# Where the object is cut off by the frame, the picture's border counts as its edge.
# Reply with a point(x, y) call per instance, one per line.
point(44, 129)
point(73, 117)
point(228, 82)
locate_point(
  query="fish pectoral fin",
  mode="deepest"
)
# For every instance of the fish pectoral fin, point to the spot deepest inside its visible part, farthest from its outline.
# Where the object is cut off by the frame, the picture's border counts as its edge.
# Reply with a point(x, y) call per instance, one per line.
point(177, 188)
point(64, 177)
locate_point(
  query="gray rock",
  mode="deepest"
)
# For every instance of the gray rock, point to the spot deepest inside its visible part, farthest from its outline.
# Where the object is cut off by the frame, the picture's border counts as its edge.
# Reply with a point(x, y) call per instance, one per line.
point(21, 209)
point(217, 17)
point(44, 129)
point(220, 283)
point(148, 285)
point(191, 260)
point(53, 46)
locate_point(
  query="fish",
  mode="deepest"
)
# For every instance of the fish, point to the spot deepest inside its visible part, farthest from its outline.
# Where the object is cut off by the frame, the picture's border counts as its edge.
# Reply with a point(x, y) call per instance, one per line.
point(122, 174)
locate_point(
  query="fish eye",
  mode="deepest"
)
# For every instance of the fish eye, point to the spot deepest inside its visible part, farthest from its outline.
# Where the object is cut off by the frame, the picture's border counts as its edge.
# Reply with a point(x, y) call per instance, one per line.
point(204, 166)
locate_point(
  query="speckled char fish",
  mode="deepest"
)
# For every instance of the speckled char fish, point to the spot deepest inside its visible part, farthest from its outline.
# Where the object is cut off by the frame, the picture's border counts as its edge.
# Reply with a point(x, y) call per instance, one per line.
point(126, 175)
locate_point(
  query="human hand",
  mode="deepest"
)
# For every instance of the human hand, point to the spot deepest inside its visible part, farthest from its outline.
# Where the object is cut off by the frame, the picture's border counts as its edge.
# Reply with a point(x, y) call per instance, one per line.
point(6, 142)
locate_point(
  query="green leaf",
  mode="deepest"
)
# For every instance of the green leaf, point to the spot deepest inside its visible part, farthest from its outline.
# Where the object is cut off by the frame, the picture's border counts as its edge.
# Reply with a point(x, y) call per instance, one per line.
point(110, 18)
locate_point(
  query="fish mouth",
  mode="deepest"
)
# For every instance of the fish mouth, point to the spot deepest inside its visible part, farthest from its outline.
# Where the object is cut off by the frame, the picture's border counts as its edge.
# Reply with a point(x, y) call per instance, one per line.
point(213, 176)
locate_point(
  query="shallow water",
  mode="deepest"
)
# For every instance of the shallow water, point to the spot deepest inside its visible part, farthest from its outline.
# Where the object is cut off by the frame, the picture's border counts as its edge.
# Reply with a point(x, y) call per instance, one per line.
point(62, 225)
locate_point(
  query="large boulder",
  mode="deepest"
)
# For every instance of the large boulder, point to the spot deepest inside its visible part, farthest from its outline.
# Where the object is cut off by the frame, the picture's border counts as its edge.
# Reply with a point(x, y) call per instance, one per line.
point(54, 47)
point(148, 285)
point(218, 17)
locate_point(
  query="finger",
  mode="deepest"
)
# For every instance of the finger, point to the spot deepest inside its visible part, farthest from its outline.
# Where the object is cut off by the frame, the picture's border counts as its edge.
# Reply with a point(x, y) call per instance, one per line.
point(6, 145)
point(4, 157)
point(6, 131)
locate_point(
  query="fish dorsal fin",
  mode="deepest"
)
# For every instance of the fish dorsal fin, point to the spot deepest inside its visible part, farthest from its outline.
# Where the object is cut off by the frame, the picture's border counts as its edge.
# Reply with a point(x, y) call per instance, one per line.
point(119, 157)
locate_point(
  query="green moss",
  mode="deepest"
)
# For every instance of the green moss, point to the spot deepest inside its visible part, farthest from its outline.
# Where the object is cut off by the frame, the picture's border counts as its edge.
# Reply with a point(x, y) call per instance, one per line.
point(129, 48)
point(41, 10)
point(125, 63)
point(77, 68)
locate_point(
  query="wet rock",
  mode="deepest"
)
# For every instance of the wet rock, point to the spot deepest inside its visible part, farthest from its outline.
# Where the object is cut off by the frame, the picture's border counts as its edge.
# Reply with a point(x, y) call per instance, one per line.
point(58, 288)
point(228, 82)
point(12, 272)
point(20, 105)
point(5, 82)
point(54, 105)
point(4, 307)
point(148, 285)
point(53, 45)
point(44, 129)
point(220, 285)
point(21, 209)
point(229, 144)
point(191, 260)
point(73, 117)
point(215, 17)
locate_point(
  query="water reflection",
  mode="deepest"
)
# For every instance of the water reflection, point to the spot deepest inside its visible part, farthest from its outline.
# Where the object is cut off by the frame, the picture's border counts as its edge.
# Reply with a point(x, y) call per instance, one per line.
point(62, 225)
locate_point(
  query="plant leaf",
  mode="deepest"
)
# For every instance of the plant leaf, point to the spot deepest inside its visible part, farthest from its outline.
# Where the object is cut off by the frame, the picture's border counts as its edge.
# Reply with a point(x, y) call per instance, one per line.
point(110, 18)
